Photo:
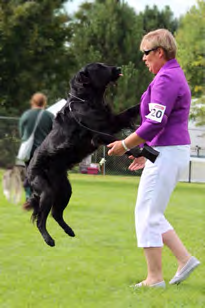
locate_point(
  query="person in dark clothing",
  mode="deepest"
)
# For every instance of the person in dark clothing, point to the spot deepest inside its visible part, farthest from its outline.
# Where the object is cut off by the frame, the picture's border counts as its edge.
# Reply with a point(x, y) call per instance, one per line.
point(27, 122)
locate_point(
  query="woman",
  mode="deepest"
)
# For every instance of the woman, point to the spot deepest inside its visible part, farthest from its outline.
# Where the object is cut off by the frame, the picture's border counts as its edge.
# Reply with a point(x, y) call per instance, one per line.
point(164, 111)
point(26, 124)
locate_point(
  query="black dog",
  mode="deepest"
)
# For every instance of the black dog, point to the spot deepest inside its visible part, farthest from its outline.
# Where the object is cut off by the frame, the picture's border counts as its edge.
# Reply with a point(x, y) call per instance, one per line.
point(80, 127)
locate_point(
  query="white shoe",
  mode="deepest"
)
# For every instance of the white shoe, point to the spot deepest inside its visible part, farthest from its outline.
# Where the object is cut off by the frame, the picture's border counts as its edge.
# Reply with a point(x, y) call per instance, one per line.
point(186, 270)
point(160, 284)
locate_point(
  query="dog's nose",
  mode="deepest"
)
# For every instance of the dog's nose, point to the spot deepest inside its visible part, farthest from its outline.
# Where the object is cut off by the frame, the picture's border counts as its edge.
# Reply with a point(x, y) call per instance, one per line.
point(119, 71)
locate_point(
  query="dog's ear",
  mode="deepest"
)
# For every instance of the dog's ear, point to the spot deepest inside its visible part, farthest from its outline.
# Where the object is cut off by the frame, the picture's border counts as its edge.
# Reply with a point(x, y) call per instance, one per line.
point(83, 78)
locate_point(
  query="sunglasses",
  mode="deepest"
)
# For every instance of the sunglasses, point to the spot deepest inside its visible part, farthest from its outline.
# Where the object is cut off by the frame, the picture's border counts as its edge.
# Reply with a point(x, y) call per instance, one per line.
point(146, 52)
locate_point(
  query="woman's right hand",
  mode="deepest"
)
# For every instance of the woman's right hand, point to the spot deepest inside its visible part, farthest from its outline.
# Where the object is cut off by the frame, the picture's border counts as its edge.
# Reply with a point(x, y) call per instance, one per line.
point(138, 163)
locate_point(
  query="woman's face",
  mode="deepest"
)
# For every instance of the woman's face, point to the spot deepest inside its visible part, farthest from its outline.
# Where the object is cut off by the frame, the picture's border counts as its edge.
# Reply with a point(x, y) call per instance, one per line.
point(154, 58)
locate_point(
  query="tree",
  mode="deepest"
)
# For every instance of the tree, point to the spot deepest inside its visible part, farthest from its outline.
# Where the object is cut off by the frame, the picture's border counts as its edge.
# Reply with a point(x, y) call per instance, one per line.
point(191, 47)
point(197, 113)
point(41, 54)
point(32, 51)
point(153, 19)
point(110, 31)
point(191, 55)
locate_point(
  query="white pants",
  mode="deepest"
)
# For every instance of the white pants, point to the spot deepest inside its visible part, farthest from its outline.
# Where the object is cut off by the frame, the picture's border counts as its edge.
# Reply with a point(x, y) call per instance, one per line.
point(157, 182)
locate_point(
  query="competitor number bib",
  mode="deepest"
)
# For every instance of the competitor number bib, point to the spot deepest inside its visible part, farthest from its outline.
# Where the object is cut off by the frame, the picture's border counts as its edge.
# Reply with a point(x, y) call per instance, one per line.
point(156, 112)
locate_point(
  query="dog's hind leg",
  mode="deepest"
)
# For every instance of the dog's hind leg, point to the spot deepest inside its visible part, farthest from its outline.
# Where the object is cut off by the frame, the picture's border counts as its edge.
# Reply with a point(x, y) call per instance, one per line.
point(44, 209)
point(43, 205)
point(62, 198)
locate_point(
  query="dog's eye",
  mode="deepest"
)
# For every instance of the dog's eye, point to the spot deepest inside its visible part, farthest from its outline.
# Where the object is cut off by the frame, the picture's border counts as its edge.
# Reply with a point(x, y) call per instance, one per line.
point(83, 77)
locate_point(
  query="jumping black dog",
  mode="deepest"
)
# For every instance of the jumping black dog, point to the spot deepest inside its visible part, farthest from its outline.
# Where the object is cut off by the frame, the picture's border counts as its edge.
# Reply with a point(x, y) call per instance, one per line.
point(85, 122)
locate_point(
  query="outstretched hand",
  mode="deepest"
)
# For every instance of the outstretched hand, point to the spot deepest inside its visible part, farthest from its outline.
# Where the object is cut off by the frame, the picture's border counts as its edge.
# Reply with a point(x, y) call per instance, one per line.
point(138, 163)
point(116, 148)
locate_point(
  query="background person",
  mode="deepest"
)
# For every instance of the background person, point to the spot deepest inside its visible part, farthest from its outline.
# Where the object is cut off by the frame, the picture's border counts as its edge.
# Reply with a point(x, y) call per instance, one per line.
point(27, 122)
point(164, 113)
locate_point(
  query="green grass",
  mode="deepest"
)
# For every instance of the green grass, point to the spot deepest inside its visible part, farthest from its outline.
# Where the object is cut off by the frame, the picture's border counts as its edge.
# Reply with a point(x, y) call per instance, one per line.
point(96, 268)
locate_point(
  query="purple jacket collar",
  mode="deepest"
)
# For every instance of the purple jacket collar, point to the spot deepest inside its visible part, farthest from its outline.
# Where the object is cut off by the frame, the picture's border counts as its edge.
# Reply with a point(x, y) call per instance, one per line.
point(169, 64)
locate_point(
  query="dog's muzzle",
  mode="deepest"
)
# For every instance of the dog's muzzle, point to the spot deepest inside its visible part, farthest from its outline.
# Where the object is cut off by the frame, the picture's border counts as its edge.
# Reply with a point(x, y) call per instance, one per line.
point(116, 72)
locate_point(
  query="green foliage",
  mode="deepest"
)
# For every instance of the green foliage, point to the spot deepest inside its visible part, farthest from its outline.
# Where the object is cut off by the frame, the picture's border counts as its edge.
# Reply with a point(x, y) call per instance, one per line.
point(191, 47)
point(154, 19)
point(106, 32)
point(110, 31)
point(9, 142)
point(130, 86)
point(41, 47)
point(32, 50)
point(97, 267)
point(191, 55)
point(197, 112)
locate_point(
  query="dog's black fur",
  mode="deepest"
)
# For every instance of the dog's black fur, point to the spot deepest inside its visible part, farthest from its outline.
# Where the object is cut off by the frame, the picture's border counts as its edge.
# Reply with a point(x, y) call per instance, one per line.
point(73, 137)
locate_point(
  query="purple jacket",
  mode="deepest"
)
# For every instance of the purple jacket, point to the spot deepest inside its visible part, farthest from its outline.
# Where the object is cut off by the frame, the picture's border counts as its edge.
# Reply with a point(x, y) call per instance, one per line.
point(165, 108)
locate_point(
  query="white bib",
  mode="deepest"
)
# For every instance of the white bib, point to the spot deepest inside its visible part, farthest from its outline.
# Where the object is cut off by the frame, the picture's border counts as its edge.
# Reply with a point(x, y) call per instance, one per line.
point(156, 112)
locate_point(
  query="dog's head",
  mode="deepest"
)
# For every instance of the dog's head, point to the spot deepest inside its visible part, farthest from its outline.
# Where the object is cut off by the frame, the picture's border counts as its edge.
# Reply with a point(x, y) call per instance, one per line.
point(95, 75)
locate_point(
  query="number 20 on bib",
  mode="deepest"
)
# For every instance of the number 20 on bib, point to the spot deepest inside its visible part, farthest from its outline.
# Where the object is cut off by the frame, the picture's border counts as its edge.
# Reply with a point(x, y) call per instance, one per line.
point(156, 112)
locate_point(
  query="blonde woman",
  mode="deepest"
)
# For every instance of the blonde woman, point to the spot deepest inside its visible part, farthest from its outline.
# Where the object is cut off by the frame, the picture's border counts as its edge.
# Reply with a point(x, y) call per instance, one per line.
point(164, 112)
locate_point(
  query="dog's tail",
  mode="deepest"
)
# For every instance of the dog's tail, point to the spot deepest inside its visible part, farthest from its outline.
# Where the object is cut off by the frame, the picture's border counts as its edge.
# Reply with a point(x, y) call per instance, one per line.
point(32, 204)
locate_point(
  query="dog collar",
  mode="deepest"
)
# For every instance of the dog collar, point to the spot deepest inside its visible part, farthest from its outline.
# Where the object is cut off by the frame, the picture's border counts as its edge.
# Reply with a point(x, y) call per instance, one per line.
point(82, 100)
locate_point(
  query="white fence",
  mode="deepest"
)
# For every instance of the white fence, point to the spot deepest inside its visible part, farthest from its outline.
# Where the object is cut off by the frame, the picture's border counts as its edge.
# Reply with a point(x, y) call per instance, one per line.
point(195, 172)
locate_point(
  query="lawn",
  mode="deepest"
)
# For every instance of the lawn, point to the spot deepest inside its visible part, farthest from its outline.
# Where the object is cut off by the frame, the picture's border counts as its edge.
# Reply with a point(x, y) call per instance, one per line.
point(96, 268)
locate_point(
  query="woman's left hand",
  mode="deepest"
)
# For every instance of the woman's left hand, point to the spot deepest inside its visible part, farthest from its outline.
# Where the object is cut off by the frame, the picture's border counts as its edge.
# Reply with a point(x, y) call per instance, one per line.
point(116, 148)
point(138, 163)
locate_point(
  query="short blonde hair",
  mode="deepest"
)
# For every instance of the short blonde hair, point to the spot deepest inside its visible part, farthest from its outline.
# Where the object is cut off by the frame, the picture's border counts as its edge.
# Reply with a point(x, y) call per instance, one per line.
point(38, 99)
point(161, 38)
